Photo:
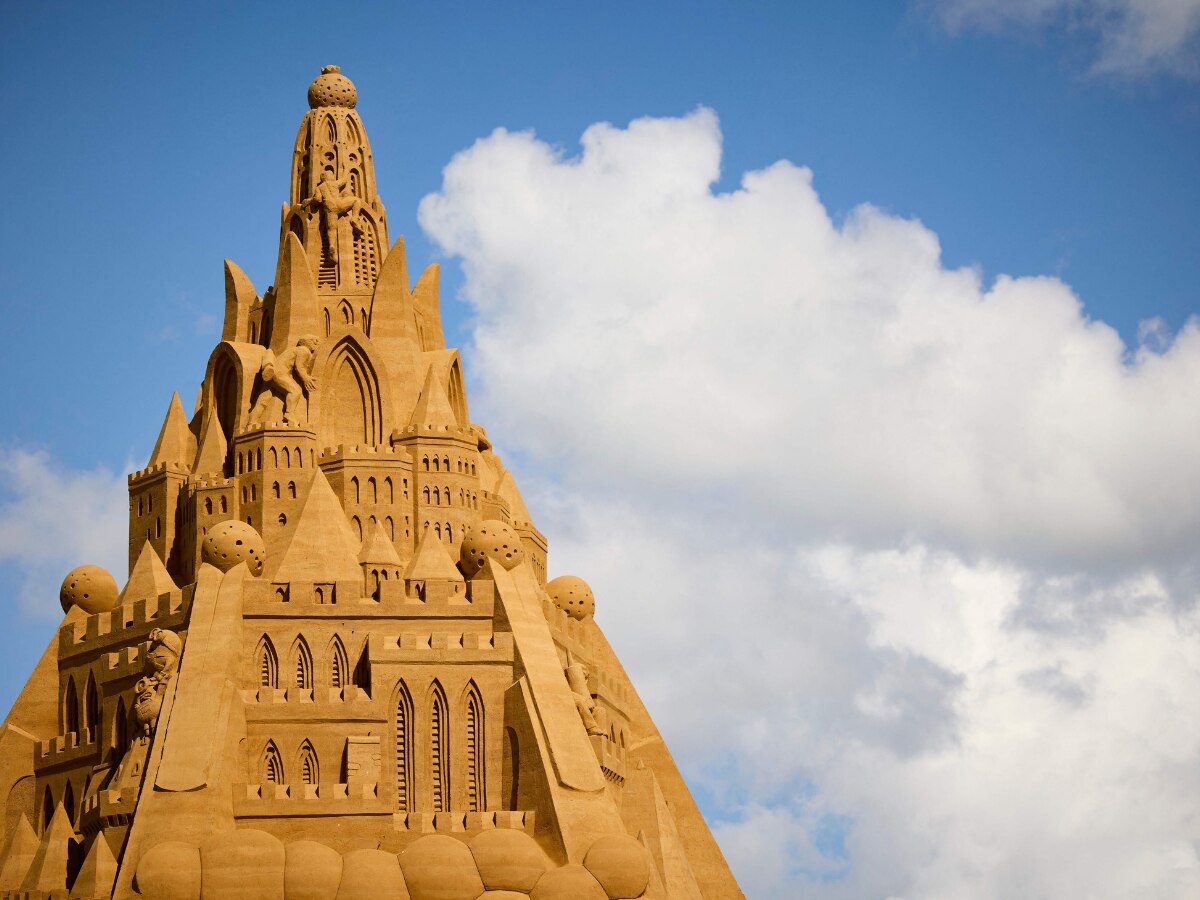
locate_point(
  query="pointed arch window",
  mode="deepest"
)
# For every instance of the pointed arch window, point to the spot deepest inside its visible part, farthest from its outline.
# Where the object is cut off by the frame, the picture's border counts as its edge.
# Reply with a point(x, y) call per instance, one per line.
point(361, 676)
point(120, 730)
point(391, 528)
point(271, 766)
point(47, 809)
point(267, 663)
point(275, 490)
point(302, 665)
point(357, 523)
point(310, 772)
point(208, 506)
point(69, 802)
point(292, 490)
point(374, 489)
point(402, 724)
point(388, 493)
point(71, 708)
point(475, 756)
point(224, 504)
point(439, 749)
point(274, 458)
point(339, 666)
point(354, 485)
point(91, 710)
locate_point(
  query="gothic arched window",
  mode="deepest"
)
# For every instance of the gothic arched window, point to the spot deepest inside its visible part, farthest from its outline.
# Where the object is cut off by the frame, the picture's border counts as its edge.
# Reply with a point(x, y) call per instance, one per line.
point(267, 663)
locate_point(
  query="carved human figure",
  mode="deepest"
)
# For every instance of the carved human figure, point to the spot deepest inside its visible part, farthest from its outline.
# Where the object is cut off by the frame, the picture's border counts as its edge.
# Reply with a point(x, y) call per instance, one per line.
point(577, 678)
point(277, 376)
point(332, 200)
point(162, 662)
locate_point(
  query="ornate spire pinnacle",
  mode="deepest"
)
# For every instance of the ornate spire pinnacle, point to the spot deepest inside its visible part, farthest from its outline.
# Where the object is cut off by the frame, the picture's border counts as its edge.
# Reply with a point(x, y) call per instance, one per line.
point(334, 209)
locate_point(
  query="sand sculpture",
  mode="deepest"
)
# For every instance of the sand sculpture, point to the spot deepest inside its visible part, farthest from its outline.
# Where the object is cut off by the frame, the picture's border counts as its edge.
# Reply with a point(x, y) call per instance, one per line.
point(336, 669)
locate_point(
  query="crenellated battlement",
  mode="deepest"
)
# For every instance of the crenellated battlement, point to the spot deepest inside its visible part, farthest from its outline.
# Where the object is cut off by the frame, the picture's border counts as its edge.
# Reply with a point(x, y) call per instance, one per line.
point(129, 622)
point(210, 482)
point(357, 452)
point(448, 646)
point(163, 468)
point(456, 432)
point(254, 429)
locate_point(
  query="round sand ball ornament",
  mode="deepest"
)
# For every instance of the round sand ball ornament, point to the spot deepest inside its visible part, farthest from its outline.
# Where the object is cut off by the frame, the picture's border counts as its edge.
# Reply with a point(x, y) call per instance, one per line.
point(91, 588)
point(231, 542)
point(332, 88)
point(573, 596)
point(492, 540)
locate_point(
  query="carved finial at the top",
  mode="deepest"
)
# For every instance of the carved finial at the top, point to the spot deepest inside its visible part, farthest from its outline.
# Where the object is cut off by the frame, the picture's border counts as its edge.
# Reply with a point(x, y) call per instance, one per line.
point(332, 88)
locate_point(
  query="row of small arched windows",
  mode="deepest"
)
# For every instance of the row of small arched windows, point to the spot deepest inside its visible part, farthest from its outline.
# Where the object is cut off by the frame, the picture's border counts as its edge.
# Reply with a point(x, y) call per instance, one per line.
point(373, 491)
point(388, 526)
point(251, 460)
point(444, 531)
point(442, 464)
point(335, 672)
point(271, 769)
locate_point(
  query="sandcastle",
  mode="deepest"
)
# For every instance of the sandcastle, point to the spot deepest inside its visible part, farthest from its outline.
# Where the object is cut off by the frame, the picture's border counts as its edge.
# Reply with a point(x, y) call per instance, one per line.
point(336, 669)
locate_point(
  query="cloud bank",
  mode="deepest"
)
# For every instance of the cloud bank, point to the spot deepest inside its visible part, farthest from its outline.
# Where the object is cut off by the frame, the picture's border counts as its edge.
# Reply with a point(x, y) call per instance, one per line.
point(901, 557)
point(54, 518)
point(1134, 38)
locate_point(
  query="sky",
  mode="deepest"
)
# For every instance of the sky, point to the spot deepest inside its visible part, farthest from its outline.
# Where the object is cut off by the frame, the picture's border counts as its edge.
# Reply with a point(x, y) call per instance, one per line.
point(872, 331)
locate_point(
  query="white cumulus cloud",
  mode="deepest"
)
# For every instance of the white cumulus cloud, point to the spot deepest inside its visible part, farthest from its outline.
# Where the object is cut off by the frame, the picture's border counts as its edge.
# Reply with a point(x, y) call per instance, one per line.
point(54, 518)
point(901, 557)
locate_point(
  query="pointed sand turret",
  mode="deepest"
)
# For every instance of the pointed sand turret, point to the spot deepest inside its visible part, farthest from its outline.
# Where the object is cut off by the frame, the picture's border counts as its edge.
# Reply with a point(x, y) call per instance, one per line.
point(377, 548)
point(148, 578)
point(95, 880)
point(432, 562)
point(16, 856)
point(426, 306)
point(240, 296)
point(319, 546)
point(210, 457)
point(176, 444)
point(433, 406)
point(297, 308)
point(48, 871)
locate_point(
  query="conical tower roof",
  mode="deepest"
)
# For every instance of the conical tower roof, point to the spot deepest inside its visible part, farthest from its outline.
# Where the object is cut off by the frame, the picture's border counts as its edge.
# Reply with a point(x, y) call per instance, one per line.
point(432, 562)
point(176, 445)
point(378, 548)
point(319, 546)
point(148, 578)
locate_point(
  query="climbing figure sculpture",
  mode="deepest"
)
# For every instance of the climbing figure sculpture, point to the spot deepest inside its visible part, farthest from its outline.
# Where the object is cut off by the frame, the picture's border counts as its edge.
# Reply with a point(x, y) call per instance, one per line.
point(332, 201)
point(284, 375)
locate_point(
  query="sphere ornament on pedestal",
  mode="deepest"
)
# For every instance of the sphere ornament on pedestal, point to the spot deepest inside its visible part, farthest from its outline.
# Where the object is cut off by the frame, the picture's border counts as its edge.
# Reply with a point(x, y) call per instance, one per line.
point(494, 540)
point(91, 588)
point(231, 542)
point(332, 88)
point(573, 596)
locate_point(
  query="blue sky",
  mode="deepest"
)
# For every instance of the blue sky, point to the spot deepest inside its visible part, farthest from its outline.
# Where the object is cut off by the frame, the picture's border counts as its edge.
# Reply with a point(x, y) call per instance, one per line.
point(148, 141)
